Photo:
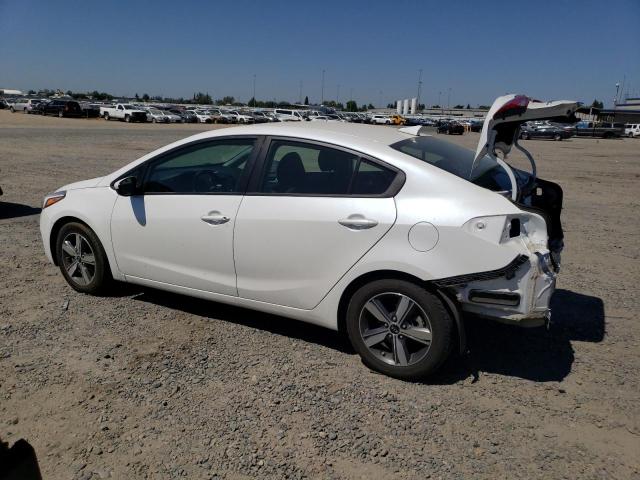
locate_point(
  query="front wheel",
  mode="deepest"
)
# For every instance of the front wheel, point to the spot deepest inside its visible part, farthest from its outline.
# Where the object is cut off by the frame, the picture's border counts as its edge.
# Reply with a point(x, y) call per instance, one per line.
point(557, 137)
point(60, 114)
point(13, 110)
point(399, 329)
point(81, 259)
point(127, 119)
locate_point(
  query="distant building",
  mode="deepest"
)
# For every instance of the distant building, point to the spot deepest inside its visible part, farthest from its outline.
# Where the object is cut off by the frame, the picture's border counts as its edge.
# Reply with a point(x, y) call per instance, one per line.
point(627, 112)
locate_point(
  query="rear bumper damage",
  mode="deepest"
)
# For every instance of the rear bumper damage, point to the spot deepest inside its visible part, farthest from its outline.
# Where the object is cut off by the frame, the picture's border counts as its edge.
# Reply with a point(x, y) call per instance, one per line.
point(520, 293)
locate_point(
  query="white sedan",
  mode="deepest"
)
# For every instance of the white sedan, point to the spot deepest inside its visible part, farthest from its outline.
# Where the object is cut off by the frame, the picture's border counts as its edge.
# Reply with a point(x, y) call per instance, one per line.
point(387, 235)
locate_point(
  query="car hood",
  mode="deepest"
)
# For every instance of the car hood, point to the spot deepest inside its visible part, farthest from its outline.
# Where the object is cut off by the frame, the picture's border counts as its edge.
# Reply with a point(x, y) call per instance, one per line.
point(93, 182)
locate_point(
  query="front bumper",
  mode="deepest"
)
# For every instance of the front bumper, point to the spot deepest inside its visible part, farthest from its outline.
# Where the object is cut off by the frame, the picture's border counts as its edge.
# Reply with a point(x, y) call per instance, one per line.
point(518, 294)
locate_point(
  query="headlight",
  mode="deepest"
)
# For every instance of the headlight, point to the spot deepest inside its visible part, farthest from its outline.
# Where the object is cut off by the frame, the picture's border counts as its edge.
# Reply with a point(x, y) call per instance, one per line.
point(53, 198)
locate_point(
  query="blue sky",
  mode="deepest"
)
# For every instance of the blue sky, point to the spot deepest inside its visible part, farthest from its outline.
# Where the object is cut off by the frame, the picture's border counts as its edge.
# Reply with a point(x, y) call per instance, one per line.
point(373, 49)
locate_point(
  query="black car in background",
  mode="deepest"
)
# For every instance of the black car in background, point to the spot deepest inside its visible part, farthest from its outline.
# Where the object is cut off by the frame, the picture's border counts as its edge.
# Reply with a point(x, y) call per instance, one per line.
point(450, 128)
point(61, 108)
point(187, 117)
point(549, 131)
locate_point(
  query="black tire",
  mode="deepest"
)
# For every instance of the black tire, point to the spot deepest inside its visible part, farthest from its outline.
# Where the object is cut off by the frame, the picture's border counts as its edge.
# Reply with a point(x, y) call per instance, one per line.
point(60, 114)
point(557, 137)
point(607, 135)
point(127, 118)
point(524, 136)
point(441, 324)
point(106, 116)
point(13, 110)
point(102, 277)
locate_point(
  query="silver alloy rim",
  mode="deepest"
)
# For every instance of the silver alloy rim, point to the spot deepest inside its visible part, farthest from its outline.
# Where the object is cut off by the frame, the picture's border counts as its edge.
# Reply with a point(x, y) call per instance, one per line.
point(395, 329)
point(78, 259)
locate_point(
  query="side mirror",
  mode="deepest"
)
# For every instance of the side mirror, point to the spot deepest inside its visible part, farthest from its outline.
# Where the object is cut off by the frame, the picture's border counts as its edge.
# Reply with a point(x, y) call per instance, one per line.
point(127, 187)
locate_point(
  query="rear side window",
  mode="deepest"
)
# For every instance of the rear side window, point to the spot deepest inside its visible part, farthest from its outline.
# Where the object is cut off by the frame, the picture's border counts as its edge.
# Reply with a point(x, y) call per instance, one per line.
point(299, 168)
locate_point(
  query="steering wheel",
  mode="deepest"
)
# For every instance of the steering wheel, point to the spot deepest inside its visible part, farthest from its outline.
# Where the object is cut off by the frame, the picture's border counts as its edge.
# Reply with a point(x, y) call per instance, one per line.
point(212, 181)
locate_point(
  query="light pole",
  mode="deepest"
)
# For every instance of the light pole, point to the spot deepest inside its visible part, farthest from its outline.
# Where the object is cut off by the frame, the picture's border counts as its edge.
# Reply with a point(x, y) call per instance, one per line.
point(300, 97)
point(322, 89)
point(254, 89)
point(449, 99)
point(338, 95)
point(615, 100)
point(419, 88)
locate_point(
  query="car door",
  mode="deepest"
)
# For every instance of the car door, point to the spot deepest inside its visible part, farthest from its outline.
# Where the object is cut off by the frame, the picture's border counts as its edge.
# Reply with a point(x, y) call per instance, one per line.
point(179, 231)
point(311, 212)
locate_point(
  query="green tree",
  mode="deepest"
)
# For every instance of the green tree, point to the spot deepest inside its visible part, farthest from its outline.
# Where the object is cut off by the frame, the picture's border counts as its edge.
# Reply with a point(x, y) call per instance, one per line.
point(228, 100)
point(370, 107)
point(468, 107)
point(145, 97)
point(137, 97)
point(390, 105)
point(352, 106)
point(597, 104)
point(435, 106)
point(483, 107)
point(31, 92)
point(459, 106)
point(306, 100)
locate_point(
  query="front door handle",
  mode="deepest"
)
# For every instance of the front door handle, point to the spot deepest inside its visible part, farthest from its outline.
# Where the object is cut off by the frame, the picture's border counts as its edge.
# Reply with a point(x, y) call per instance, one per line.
point(357, 222)
point(214, 218)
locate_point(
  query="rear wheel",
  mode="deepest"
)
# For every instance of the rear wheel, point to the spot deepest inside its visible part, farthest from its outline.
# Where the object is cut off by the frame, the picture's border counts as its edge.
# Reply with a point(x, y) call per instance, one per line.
point(557, 137)
point(13, 110)
point(60, 113)
point(81, 258)
point(399, 328)
point(106, 116)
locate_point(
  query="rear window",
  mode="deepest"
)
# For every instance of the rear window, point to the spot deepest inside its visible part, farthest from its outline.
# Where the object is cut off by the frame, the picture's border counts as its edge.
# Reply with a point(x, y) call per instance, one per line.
point(457, 160)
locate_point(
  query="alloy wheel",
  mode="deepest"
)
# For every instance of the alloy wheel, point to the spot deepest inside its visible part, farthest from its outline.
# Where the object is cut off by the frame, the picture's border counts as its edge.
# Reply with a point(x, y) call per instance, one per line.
point(78, 259)
point(395, 329)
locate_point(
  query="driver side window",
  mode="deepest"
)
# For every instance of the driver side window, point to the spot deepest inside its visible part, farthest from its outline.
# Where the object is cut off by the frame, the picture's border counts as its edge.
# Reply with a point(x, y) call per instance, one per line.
point(213, 167)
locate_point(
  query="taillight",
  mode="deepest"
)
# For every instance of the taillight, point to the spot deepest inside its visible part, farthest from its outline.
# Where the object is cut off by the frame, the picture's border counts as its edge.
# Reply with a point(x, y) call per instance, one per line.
point(515, 106)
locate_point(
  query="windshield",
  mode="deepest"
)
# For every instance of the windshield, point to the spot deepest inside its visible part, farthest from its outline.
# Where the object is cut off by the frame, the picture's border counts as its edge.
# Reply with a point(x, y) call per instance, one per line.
point(457, 160)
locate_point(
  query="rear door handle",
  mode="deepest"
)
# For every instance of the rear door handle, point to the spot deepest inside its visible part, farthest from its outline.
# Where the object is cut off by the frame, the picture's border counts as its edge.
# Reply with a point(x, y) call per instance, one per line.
point(357, 222)
point(214, 218)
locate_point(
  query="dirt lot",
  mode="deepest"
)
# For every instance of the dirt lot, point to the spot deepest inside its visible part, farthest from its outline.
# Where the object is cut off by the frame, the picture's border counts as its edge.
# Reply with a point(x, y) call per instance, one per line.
point(144, 384)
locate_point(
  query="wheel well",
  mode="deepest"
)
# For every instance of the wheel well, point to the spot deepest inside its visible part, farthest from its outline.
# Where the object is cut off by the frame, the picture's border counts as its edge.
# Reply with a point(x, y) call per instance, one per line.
point(370, 277)
point(449, 301)
point(61, 222)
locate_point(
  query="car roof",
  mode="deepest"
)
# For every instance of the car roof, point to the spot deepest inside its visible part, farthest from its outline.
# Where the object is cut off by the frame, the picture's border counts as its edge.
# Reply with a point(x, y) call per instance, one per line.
point(334, 132)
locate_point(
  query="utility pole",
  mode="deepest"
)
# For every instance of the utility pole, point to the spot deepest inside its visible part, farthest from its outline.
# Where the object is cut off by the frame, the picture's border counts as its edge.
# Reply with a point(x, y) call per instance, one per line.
point(351, 93)
point(300, 97)
point(419, 88)
point(338, 96)
point(322, 89)
point(254, 89)
point(449, 99)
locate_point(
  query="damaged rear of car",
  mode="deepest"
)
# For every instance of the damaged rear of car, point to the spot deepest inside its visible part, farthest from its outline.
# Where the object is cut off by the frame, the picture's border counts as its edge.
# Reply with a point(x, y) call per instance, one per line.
point(520, 291)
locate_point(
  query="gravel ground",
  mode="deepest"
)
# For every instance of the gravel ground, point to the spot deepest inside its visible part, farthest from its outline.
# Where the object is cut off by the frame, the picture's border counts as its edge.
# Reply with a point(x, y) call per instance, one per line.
point(145, 384)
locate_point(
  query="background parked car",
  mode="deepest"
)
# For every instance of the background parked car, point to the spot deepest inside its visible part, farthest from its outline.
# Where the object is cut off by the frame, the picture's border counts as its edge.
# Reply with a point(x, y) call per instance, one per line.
point(187, 117)
point(632, 130)
point(380, 119)
point(599, 130)
point(155, 116)
point(285, 115)
point(543, 131)
point(25, 105)
point(172, 117)
point(61, 108)
point(450, 128)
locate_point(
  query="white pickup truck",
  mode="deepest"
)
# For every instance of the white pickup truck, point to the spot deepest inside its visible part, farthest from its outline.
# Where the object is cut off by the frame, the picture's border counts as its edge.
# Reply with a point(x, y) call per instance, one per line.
point(123, 111)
